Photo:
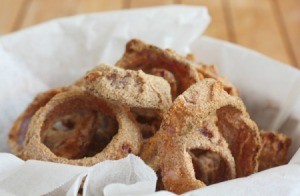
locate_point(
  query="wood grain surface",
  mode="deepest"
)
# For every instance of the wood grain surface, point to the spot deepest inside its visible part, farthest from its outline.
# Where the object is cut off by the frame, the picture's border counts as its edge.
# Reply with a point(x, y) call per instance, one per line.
point(271, 27)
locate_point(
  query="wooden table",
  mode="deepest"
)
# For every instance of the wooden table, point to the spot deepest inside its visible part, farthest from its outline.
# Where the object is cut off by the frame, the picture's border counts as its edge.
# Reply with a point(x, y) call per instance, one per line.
point(271, 27)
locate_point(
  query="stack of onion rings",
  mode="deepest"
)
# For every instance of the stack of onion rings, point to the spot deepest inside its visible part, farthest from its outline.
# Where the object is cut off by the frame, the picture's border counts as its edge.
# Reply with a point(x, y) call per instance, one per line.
point(180, 72)
point(181, 117)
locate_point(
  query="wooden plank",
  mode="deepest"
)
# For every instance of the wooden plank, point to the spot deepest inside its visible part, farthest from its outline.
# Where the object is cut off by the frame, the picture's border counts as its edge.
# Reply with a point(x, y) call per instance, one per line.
point(43, 10)
point(10, 10)
point(255, 27)
point(147, 3)
point(218, 27)
point(87, 6)
point(289, 11)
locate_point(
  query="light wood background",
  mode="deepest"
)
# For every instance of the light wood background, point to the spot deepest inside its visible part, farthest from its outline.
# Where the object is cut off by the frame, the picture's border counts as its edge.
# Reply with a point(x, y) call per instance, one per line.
point(271, 27)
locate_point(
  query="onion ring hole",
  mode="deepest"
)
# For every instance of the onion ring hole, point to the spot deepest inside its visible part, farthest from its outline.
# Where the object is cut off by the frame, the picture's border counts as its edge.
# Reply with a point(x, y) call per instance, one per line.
point(149, 120)
point(209, 167)
point(66, 129)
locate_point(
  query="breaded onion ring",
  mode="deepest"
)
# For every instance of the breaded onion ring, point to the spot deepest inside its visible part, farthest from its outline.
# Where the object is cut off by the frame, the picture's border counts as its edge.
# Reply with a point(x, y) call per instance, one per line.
point(274, 150)
point(142, 56)
point(127, 140)
point(127, 87)
point(178, 173)
point(206, 102)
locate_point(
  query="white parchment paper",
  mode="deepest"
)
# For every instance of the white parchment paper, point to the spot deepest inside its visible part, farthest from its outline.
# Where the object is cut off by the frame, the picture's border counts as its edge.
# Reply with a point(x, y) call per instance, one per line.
point(59, 52)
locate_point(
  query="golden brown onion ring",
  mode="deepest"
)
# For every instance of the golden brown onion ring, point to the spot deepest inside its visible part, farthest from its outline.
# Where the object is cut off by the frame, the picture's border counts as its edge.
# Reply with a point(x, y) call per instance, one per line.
point(146, 94)
point(127, 87)
point(127, 140)
point(178, 173)
point(142, 56)
point(197, 106)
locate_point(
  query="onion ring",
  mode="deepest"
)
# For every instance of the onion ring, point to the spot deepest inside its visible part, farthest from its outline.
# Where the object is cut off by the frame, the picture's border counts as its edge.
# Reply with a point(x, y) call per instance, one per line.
point(127, 140)
point(139, 55)
point(127, 87)
point(274, 150)
point(147, 95)
point(178, 174)
point(201, 103)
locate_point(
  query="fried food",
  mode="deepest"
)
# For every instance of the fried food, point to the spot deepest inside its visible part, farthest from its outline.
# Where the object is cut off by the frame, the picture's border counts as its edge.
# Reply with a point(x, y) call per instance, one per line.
point(206, 109)
point(274, 150)
point(177, 70)
point(181, 117)
point(147, 95)
point(127, 140)
point(146, 57)
point(178, 172)
point(131, 88)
